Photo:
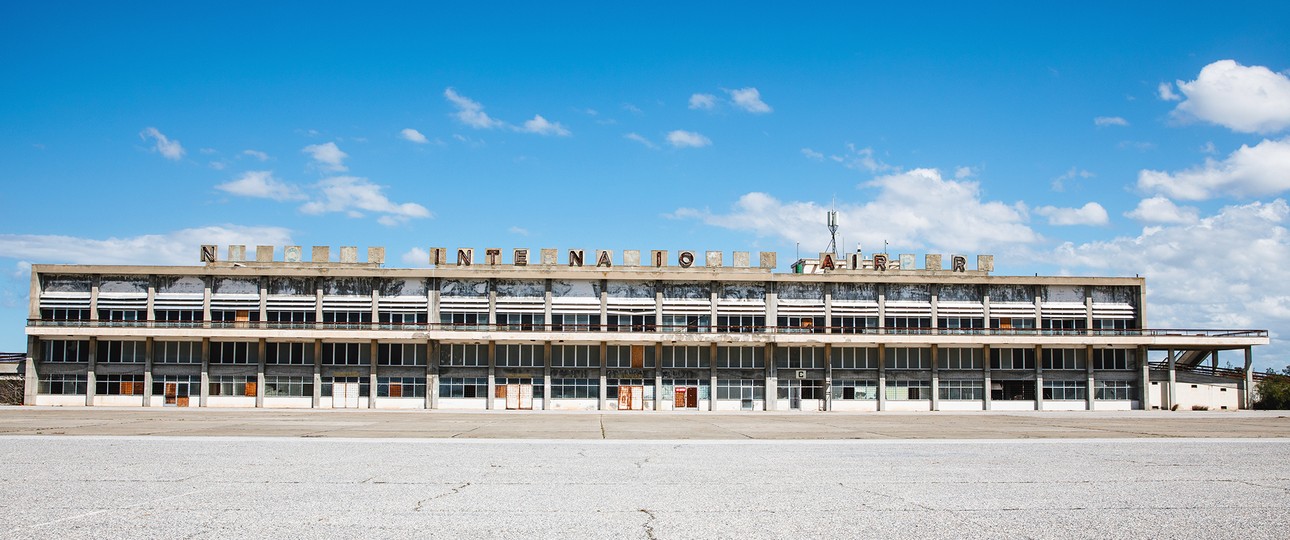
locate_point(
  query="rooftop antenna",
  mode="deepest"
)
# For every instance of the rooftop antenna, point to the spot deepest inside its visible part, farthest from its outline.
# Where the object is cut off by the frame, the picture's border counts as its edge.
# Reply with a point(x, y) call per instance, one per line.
point(833, 232)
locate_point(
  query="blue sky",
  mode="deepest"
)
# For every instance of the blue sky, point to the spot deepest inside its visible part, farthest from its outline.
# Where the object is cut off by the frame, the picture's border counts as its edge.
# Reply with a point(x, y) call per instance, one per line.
point(1147, 139)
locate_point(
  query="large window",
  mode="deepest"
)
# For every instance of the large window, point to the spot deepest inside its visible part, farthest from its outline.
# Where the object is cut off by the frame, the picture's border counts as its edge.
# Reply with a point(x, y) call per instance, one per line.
point(298, 354)
point(806, 325)
point(961, 390)
point(295, 317)
point(227, 385)
point(685, 357)
point(909, 325)
point(629, 356)
point(855, 389)
point(500, 382)
point(401, 354)
point(1065, 390)
point(575, 388)
point(807, 388)
point(1012, 390)
point(1113, 359)
point(960, 358)
point(364, 387)
point(463, 387)
point(909, 390)
point(855, 358)
point(122, 315)
point(66, 385)
point(464, 321)
point(575, 356)
point(799, 357)
point(741, 323)
point(122, 351)
point(1009, 358)
point(178, 352)
point(61, 314)
point(575, 322)
point(346, 354)
point(611, 387)
point(520, 321)
point(741, 357)
point(961, 325)
point(463, 355)
point(1064, 326)
point(686, 323)
point(234, 352)
point(519, 355)
point(402, 318)
point(854, 325)
point(909, 358)
point(630, 323)
point(288, 386)
point(1113, 390)
point(1063, 359)
point(401, 387)
point(177, 315)
point(1013, 323)
point(1115, 326)
point(347, 317)
point(69, 350)
point(741, 389)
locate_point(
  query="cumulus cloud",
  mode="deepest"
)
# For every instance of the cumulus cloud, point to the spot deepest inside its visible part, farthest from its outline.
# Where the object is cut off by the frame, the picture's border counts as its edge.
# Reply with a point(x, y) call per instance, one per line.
point(353, 196)
point(1089, 214)
point(1247, 172)
point(1227, 270)
point(687, 139)
point(1059, 184)
point(409, 134)
point(180, 247)
point(168, 149)
point(327, 156)
point(1248, 99)
point(1166, 92)
point(703, 101)
point(1162, 210)
point(1103, 121)
point(416, 257)
point(261, 184)
point(915, 209)
point(812, 154)
point(862, 159)
point(470, 112)
point(542, 126)
point(749, 99)
point(640, 139)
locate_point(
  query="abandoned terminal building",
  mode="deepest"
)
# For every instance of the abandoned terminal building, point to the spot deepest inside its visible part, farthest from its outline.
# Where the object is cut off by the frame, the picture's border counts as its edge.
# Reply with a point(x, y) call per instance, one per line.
point(569, 329)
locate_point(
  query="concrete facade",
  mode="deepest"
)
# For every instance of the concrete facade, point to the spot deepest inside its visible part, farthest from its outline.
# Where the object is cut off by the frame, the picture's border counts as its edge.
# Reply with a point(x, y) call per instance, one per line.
point(584, 330)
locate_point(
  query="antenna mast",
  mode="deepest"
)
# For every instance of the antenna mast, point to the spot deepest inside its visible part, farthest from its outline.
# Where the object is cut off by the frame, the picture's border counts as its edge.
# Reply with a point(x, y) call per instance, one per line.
point(833, 232)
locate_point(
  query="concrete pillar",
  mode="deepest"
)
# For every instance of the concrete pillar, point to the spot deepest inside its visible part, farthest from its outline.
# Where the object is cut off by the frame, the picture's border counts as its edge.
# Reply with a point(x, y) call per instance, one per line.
point(1039, 378)
point(828, 376)
point(936, 374)
point(1144, 367)
point(262, 348)
point(206, 365)
point(772, 379)
point(987, 396)
point(318, 303)
point(1039, 306)
point(492, 364)
point(546, 372)
point(658, 376)
point(1088, 309)
point(1248, 391)
point(317, 373)
point(1091, 392)
point(264, 300)
point(432, 374)
point(376, 308)
point(31, 378)
point(604, 375)
point(546, 381)
point(882, 323)
point(712, 308)
point(1213, 359)
point(149, 358)
point(206, 304)
point(828, 318)
point(712, 377)
point(371, 377)
point(94, 298)
point(546, 305)
point(772, 306)
point(150, 312)
point(432, 304)
point(985, 309)
point(1172, 389)
point(604, 305)
point(90, 375)
point(492, 315)
point(882, 377)
point(658, 306)
point(936, 321)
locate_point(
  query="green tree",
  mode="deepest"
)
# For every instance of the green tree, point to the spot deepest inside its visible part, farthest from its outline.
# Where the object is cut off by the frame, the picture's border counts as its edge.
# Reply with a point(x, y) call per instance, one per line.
point(1274, 390)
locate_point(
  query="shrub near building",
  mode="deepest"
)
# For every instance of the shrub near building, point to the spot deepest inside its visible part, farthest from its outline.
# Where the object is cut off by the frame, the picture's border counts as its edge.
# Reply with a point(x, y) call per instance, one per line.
point(1274, 391)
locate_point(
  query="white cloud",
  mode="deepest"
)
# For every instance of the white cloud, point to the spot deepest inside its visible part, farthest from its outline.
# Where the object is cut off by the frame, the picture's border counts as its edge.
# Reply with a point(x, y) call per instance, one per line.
point(749, 99)
point(416, 257)
point(687, 139)
point(179, 247)
point(1103, 121)
point(352, 195)
point(256, 154)
point(1166, 92)
point(518, 230)
point(862, 159)
point(470, 112)
point(915, 209)
point(1161, 210)
point(218, 165)
point(1089, 214)
point(1248, 99)
point(413, 135)
point(1228, 270)
point(168, 149)
point(1263, 169)
point(327, 156)
point(261, 184)
point(963, 172)
point(542, 126)
point(812, 154)
point(638, 138)
point(703, 101)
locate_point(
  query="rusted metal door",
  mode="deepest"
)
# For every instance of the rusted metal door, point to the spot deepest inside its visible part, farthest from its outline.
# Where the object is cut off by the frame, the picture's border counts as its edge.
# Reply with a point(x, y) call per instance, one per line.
point(691, 397)
point(678, 398)
point(638, 356)
point(171, 393)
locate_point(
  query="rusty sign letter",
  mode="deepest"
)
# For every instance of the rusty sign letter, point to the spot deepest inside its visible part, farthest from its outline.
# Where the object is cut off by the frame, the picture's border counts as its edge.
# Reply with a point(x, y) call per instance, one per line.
point(880, 261)
point(958, 263)
point(575, 257)
point(521, 257)
point(685, 259)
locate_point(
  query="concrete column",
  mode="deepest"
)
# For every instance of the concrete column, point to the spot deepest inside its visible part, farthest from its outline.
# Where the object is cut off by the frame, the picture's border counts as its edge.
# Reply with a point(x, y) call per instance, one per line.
point(1213, 359)
point(828, 376)
point(432, 304)
point(658, 376)
point(432, 374)
point(658, 306)
point(936, 374)
point(150, 312)
point(936, 320)
point(376, 308)
point(206, 365)
point(604, 374)
point(882, 323)
point(1172, 389)
point(371, 377)
point(1039, 307)
point(317, 373)
point(985, 364)
point(772, 305)
point(492, 321)
point(712, 308)
point(264, 300)
point(546, 381)
point(90, 375)
point(882, 376)
point(712, 377)
point(149, 358)
point(546, 304)
point(1088, 309)
point(94, 298)
point(492, 364)
point(604, 305)
point(772, 379)
point(31, 378)
point(1248, 391)
point(828, 317)
point(262, 347)
point(206, 305)
point(1091, 391)
point(1039, 378)
point(318, 303)
point(1144, 397)
point(546, 374)
point(985, 308)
